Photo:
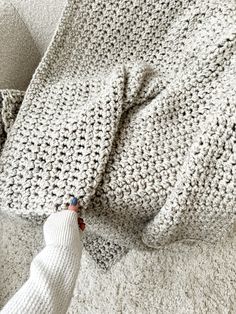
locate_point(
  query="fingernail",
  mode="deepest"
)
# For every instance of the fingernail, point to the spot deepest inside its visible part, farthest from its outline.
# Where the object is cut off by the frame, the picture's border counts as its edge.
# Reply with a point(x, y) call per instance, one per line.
point(74, 201)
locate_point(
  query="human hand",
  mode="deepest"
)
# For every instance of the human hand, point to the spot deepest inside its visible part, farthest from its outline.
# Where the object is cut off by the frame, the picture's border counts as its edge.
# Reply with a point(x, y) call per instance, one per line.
point(74, 206)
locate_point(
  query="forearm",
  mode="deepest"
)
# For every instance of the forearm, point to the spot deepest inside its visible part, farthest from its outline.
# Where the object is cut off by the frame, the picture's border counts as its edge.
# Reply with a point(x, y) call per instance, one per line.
point(53, 274)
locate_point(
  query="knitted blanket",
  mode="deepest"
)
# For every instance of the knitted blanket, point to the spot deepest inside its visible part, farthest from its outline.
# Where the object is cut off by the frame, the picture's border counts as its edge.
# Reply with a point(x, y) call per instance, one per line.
point(133, 110)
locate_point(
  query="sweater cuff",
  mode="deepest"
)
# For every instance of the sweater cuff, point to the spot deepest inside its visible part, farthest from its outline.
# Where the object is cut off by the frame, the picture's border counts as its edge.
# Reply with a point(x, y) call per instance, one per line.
point(62, 229)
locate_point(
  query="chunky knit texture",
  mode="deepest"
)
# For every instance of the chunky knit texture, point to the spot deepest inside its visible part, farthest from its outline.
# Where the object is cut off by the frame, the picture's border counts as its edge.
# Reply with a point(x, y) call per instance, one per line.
point(10, 102)
point(53, 272)
point(132, 109)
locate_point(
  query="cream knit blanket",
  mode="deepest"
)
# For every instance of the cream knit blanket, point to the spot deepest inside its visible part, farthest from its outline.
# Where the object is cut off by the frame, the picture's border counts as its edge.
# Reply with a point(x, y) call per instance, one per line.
point(133, 110)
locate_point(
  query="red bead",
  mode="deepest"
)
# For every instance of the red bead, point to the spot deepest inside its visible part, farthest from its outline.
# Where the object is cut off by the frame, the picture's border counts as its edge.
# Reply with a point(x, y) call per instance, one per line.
point(80, 220)
point(82, 226)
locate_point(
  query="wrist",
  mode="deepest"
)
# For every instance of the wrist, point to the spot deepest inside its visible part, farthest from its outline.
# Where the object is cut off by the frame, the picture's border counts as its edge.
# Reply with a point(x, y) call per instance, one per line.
point(62, 229)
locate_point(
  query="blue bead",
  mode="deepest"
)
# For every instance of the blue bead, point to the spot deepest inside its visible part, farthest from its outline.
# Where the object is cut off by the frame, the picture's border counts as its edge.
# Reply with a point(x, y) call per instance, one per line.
point(74, 201)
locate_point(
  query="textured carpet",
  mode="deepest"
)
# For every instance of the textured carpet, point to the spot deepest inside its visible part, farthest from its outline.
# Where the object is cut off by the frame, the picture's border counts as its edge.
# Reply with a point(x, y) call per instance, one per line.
point(175, 279)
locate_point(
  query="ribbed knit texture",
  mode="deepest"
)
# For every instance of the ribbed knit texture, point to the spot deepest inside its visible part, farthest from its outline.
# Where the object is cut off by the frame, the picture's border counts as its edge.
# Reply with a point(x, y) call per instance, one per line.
point(53, 272)
point(133, 110)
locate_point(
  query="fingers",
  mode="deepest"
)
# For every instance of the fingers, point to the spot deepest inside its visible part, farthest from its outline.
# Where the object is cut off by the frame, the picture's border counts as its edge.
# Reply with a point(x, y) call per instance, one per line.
point(74, 206)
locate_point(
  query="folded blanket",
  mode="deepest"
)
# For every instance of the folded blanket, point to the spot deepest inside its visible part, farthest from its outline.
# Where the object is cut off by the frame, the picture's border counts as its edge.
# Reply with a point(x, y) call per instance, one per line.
point(10, 102)
point(132, 110)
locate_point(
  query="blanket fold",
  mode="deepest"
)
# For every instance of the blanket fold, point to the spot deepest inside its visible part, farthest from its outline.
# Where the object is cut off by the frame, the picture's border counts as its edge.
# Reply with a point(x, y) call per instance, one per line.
point(132, 109)
point(10, 102)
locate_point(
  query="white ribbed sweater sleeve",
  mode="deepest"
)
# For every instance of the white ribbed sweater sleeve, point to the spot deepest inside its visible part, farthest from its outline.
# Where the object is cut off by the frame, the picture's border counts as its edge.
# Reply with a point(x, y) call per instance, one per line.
point(53, 271)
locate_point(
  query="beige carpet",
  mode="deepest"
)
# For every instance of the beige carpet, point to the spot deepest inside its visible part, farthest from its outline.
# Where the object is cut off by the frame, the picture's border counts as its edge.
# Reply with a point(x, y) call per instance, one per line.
point(178, 279)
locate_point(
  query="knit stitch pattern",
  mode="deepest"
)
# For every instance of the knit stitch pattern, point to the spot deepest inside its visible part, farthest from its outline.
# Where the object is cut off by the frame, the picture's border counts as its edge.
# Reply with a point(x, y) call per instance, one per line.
point(132, 109)
point(10, 102)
